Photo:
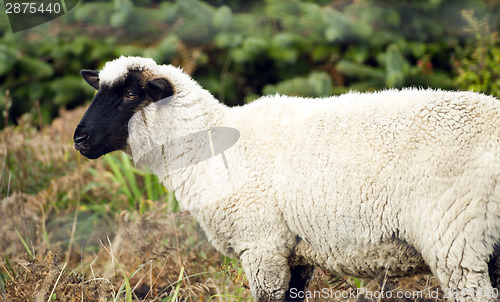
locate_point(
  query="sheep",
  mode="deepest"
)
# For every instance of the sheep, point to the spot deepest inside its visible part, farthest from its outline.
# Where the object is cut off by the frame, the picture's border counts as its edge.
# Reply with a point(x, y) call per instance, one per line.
point(390, 183)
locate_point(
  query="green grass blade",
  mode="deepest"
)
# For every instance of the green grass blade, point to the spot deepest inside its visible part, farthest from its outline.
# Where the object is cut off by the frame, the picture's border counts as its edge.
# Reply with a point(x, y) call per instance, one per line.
point(115, 169)
point(10, 273)
point(130, 175)
point(118, 176)
point(128, 289)
point(10, 268)
point(172, 205)
point(3, 280)
point(149, 183)
point(178, 287)
point(24, 243)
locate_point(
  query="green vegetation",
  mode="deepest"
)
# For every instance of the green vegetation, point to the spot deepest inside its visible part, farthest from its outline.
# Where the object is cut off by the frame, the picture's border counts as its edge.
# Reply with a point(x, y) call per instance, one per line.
point(108, 230)
point(240, 50)
point(477, 63)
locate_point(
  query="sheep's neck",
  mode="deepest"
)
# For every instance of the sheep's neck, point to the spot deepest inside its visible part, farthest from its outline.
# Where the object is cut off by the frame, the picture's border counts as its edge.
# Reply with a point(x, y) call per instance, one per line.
point(180, 146)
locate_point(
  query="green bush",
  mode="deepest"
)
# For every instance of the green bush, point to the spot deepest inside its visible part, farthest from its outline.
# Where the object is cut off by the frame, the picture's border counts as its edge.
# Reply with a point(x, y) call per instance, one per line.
point(240, 50)
point(477, 64)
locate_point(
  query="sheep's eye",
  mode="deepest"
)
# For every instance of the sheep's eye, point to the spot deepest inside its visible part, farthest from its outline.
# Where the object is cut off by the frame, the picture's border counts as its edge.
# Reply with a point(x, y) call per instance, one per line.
point(131, 95)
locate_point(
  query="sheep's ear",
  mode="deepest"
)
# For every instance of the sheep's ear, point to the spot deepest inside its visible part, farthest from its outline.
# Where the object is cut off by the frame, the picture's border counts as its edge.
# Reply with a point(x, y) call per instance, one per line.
point(160, 89)
point(91, 77)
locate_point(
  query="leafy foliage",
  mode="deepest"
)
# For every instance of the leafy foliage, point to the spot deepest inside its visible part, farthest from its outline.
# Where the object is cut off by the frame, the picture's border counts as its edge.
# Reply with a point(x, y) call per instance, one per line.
point(240, 50)
point(477, 64)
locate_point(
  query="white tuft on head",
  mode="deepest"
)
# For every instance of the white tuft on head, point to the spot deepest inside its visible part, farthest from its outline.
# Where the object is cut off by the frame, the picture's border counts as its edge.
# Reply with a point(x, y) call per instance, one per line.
point(118, 69)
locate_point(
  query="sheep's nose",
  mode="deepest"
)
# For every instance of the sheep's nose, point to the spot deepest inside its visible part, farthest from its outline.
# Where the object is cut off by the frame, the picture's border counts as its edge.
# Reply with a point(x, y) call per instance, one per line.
point(80, 137)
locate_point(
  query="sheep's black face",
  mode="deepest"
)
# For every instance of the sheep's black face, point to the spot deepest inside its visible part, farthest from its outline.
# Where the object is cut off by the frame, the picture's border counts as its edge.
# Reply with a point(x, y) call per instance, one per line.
point(104, 126)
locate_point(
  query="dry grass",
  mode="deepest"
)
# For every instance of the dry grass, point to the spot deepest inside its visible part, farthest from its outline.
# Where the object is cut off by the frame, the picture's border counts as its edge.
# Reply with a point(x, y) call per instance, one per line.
point(67, 234)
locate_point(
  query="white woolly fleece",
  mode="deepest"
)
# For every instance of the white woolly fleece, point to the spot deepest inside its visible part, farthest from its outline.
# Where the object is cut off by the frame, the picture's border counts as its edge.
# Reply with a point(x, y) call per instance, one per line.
point(388, 183)
point(116, 70)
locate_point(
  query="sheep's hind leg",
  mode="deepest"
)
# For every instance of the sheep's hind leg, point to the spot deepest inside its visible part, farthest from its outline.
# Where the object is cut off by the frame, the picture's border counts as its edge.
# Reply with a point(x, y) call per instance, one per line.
point(299, 280)
point(463, 271)
point(468, 284)
point(268, 274)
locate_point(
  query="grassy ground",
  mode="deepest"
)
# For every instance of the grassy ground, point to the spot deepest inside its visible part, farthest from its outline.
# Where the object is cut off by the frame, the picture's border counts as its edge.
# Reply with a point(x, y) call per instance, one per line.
point(72, 229)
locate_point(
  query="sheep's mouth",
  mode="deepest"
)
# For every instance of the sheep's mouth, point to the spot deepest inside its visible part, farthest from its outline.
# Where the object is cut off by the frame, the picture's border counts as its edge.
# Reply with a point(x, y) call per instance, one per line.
point(81, 147)
point(88, 152)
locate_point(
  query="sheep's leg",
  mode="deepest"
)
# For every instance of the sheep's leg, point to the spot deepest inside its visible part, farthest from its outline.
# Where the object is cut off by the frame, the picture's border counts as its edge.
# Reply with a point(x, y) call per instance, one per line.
point(268, 274)
point(462, 270)
point(299, 280)
point(466, 284)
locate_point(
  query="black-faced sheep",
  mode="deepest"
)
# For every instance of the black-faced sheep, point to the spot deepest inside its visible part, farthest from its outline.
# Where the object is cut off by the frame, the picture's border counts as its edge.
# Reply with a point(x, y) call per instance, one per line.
point(389, 183)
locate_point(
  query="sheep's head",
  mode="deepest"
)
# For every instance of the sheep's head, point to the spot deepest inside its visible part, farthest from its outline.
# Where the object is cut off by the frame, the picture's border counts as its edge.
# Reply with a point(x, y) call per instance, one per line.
point(124, 87)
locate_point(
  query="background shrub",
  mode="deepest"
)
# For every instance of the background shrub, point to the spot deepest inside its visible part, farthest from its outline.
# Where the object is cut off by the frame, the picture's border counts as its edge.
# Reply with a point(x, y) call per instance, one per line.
point(240, 50)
